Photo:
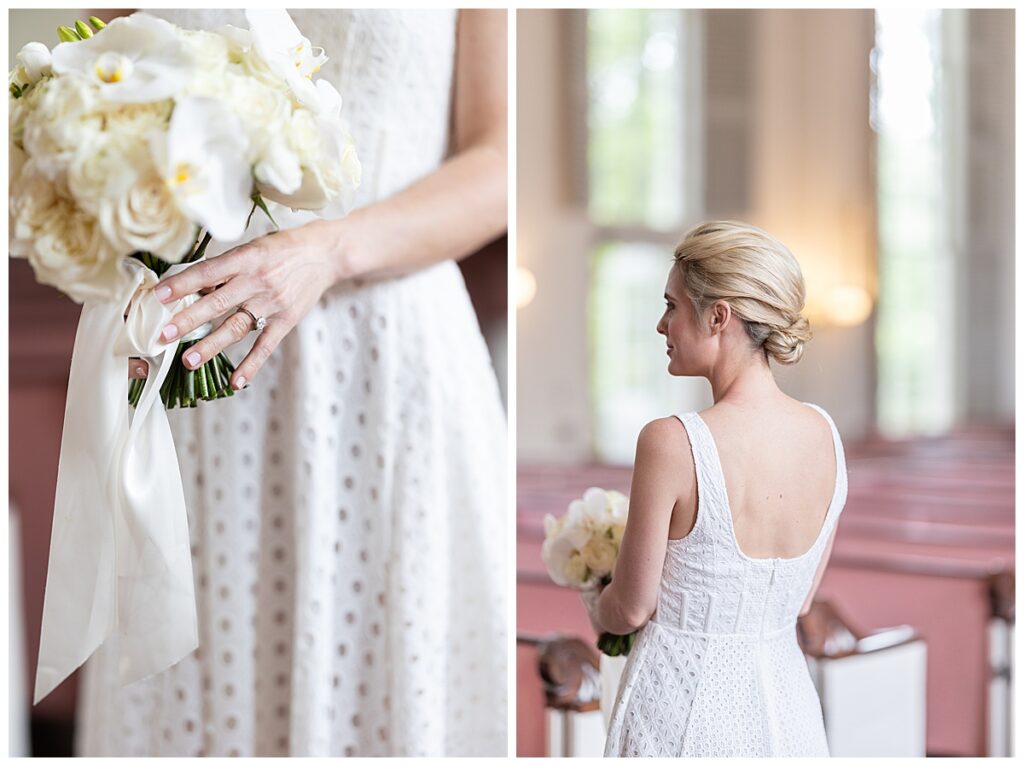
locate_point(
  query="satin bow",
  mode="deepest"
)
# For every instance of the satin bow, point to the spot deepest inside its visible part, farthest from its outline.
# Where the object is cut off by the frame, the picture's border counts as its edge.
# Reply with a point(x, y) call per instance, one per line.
point(120, 554)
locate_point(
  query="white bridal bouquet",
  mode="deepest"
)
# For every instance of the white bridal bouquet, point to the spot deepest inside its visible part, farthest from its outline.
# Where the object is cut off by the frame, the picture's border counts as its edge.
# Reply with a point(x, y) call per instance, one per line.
point(581, 547)
point(132, 145)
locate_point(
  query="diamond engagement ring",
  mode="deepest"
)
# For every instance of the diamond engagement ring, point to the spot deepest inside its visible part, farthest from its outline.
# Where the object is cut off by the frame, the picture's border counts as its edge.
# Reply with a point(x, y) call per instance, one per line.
point(258, 322)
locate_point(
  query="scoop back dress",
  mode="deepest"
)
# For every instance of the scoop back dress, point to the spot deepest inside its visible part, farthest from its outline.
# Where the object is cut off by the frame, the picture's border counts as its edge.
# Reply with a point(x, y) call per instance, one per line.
point(717, 671)
point(347, 510)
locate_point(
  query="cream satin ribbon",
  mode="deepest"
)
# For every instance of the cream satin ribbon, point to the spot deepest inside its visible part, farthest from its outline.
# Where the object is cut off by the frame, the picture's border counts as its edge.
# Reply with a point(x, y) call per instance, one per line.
point(120, 554)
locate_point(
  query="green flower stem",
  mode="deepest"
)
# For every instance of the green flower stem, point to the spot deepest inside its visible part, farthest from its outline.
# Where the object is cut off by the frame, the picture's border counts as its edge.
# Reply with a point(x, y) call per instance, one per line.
point(614, 645)
point(199, 251)
point(204, 392)
point(190, 387)
point(133, 392)
point(211, 382)
point(212, 368)
point(178, 385)
point(223, 376)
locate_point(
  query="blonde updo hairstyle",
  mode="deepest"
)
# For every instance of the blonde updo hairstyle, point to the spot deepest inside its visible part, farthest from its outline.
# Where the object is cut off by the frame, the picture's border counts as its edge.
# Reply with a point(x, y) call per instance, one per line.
point(756, 275)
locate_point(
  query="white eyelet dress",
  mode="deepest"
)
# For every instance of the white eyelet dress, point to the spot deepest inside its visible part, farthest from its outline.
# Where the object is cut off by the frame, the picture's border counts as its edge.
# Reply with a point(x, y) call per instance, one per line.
point(717, 671)
point(347, 511)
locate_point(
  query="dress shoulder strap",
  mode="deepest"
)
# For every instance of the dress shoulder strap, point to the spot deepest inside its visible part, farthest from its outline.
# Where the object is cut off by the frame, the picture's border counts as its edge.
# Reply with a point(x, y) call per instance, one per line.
point(712, 498)
point(839, 495)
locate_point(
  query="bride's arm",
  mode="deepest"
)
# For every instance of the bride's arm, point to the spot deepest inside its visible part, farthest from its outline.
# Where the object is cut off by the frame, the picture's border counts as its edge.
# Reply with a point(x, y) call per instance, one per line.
point(658, 480)
point(448, 214)
point(463, 204)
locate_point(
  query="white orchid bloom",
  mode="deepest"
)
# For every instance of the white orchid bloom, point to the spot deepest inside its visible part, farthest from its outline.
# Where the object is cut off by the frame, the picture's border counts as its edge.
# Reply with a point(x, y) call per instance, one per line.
point(34, 62)
point(279, 167)
point(290, 55)
point(202, 158)
point(136, 59)
point(327, 157)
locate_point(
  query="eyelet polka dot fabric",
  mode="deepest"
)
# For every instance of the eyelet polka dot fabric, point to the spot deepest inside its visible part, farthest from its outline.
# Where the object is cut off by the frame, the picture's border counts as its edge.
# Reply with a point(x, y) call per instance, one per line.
point(347, 511)
point(718, 672)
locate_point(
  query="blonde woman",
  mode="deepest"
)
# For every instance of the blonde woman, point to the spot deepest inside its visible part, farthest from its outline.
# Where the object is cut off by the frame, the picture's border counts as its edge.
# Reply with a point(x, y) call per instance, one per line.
point(732, 515)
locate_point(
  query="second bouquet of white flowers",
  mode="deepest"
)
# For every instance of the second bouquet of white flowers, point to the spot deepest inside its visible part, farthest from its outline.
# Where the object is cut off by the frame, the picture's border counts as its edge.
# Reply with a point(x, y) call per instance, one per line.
point(136, 142)
point(581, 547)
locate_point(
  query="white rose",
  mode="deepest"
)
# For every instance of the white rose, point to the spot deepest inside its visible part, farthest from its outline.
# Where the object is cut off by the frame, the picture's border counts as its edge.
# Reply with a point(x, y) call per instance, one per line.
point(575, 570)
point(63, 119)
point(617, 531)
point(600, 553)
point(16, 158)
point(262, 110)
point(135, 121)
point(208, 50)
point(62, 242)
point(32, 195)
point(327, 156)
point(147, 218)
point(103, 169)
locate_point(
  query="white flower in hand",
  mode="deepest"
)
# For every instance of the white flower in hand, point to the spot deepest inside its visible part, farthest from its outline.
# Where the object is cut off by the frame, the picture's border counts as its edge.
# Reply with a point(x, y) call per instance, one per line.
point(202, 159)
point(135, 59)
point(290, 56)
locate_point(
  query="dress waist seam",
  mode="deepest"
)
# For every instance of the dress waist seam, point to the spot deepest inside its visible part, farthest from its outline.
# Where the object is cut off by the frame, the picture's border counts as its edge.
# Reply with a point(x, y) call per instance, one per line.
point(790, 627)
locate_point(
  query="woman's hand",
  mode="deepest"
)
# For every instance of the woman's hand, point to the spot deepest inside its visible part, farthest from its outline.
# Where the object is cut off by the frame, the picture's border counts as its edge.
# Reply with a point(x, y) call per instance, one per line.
point(278, 276)
point(448, 213)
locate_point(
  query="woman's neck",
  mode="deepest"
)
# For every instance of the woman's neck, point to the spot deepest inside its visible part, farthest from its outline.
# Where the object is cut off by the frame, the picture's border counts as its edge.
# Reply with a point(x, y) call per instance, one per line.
point(744, 382)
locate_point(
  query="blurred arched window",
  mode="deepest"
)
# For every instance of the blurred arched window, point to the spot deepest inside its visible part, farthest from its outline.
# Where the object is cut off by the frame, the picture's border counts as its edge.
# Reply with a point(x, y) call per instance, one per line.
point(636, 80)
point(913, 112)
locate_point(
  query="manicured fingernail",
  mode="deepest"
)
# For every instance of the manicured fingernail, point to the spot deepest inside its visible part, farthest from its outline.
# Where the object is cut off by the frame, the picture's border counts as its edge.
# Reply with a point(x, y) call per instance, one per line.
point(140, 370)
point(170, 332)
point(239, 382)
point(192, 357)
point(163, 292)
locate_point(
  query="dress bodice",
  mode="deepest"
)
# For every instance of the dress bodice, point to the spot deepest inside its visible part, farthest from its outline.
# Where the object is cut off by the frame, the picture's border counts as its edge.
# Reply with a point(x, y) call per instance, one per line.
point(708, 584)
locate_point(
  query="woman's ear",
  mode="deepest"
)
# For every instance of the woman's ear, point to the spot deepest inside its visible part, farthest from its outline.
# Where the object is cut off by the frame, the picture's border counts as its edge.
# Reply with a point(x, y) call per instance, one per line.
point(720, 313)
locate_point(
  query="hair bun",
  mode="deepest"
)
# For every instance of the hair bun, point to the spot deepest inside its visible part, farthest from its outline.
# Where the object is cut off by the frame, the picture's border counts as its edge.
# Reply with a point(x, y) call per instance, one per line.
point(786, 345)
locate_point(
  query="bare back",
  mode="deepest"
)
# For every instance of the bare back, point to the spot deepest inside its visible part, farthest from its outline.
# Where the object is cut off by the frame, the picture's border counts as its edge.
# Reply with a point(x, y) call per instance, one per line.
point(779, 465)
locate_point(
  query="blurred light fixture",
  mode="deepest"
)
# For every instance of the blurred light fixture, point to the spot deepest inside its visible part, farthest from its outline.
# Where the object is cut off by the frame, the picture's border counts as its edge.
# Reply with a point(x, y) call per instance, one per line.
point(526, 287)
point(847, 306)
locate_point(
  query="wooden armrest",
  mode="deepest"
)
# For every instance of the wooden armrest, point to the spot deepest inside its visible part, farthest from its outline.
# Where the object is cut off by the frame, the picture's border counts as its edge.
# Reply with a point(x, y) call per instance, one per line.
point(825, 634)
point(569, 669)
point(1002, 591)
